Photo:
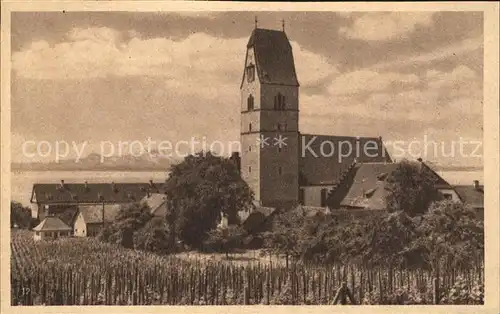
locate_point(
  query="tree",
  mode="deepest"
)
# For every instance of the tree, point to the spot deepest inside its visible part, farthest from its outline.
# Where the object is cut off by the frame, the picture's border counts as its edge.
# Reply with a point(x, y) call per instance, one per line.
point(20, 215)
point(198, 190)
point(450, 234)
point(225, 239)
point(286, 234)
point(153, 236)
point(411, 188)
point(129, 219)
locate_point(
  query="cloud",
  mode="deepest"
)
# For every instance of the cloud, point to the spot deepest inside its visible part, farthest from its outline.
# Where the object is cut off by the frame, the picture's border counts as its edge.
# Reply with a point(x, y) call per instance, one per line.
point(386, 26)
point(363, 81)
point(432, 97)
point(198, 61)
point(461, 75)
point(456, 49)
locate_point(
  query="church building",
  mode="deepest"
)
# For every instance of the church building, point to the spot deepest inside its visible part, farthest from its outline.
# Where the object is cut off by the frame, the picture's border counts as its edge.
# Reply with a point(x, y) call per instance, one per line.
point(282, 165)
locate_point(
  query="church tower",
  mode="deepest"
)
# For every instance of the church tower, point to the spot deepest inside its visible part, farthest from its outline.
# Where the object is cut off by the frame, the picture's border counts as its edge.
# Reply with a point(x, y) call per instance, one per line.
point(270, 119)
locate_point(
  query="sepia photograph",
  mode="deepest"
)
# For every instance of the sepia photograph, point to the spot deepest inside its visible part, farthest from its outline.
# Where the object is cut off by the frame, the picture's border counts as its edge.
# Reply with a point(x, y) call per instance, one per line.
point(246, 157)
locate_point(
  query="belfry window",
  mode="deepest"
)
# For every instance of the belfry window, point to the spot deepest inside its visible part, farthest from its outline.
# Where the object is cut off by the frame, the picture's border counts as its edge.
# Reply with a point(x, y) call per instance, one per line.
point(250, 73)
point(250, 103)
point(279, 102)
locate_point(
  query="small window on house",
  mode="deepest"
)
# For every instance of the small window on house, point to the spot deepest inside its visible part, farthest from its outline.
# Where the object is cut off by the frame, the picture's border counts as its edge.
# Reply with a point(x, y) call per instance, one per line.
point(37, 233)
point(249, 148)
point(249, 127)
point(250, 73)
point(249, 168)
point(447, 196)
point(301, 196)
point(324, 194)
point(250, 103)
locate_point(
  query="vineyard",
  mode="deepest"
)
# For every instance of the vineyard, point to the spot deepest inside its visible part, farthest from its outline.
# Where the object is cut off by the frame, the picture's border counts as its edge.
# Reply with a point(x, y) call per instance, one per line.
point(87, 272)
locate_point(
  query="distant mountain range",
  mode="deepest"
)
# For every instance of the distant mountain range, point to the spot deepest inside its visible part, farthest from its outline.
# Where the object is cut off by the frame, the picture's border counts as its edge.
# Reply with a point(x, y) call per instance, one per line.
point(146, 162)
point(149, 162)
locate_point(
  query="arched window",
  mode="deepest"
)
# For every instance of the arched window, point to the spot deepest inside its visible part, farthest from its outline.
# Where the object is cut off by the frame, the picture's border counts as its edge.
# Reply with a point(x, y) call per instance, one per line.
point(249, 127)
point(250, 103)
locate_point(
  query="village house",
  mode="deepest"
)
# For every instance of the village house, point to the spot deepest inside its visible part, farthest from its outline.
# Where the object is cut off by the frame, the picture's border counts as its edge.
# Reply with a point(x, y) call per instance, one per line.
point(90, 219)
point(64, 199)
point(157, 202)
point(51, 227)
point(472, 195)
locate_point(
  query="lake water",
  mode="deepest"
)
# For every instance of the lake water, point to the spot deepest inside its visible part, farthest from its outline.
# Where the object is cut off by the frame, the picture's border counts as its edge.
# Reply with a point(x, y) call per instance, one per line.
point(22, 182)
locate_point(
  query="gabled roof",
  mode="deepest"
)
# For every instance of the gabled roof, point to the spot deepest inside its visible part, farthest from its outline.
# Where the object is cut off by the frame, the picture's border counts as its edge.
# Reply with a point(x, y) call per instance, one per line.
point(322, 169)
point(154, 201)
point(256, 217)
point(74, 193)
point(470, 195)
point(273, 57)
point(93, 213)
point(365, 186)
point(52, 223)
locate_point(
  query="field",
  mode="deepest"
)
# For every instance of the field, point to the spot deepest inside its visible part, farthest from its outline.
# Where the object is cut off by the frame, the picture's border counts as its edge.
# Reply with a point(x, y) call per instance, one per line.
point(87, 272)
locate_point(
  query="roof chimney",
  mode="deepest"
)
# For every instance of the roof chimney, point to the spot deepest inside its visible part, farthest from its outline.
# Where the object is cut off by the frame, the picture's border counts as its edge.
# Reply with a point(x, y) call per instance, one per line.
point(476, 184)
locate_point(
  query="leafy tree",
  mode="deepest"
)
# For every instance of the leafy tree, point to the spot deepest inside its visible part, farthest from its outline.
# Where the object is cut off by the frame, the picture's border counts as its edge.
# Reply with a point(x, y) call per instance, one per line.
point(198, 190)
point(287, 234)
point(153, 236)
point(387, 237)
point(225, 239)
point(20, 215)
point(411, 188)
point(129, 219)
point(450, 234)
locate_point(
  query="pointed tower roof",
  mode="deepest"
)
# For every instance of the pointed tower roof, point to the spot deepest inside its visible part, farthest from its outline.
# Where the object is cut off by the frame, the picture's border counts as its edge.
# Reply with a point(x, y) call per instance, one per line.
point(273, 57)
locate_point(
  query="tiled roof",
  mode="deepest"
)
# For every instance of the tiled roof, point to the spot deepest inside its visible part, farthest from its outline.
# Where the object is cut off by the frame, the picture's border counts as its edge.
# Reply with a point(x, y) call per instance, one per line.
point(273, 57)
point(366, 186)
point(256, 217)
point(93, 213)
point(93, 192)
point(154, 201)
point(52, 223)
point(470, 195)
point(317, 168)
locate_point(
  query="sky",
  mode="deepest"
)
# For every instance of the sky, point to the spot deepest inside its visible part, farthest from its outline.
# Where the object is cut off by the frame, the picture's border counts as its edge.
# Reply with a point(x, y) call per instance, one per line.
point(122, 76)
